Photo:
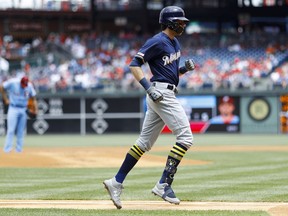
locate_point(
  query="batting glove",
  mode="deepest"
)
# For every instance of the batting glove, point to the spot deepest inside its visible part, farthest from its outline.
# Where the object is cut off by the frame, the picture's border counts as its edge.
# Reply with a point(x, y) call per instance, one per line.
point(189, 65)
point(155, 94)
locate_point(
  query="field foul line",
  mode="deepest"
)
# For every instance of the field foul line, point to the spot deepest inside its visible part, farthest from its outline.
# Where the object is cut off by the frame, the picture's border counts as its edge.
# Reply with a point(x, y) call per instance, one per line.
point(140, 205)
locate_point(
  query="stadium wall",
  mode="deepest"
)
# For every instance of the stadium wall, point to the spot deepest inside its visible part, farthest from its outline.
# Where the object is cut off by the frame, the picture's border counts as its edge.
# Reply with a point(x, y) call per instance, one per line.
point(121, 113)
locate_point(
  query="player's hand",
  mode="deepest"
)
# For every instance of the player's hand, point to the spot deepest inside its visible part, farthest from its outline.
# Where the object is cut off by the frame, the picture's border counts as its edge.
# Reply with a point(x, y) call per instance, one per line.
point(31, 114)
point(189, 65)
point(155, 94)
point(6, 102)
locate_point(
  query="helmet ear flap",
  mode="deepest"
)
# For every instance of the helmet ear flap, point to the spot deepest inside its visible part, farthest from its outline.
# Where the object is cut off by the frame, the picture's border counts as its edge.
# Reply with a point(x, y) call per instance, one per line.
point(163, 27)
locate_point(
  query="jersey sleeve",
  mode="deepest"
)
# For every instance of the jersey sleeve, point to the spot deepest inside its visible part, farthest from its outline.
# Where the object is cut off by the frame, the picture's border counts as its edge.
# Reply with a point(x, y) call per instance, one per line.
point(149, 50)
point(32, 91)
point(7, 84)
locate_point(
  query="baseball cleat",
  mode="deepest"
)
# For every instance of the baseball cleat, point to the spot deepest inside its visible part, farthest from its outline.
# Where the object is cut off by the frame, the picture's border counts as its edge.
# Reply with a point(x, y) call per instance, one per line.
point(166, 193)
point(114, 189)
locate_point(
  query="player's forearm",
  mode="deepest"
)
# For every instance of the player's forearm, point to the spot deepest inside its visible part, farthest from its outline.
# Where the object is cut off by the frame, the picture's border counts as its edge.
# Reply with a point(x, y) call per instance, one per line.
point(2, 89)
point(4, 95)
point(35, 105)
point(139, 76)
point(137, 73)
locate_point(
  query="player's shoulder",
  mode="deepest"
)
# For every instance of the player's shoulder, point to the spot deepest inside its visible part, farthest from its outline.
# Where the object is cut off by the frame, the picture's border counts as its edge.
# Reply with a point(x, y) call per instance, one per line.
point(153, 42)
point(154, 39)
point(30, 85)
point(11, 81)
point(157, 38)
point(14, 79)
point(32, 89)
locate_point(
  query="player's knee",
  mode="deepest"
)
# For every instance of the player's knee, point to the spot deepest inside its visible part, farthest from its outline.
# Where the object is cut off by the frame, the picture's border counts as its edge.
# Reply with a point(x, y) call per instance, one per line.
point(185, 137)
point(144, 145)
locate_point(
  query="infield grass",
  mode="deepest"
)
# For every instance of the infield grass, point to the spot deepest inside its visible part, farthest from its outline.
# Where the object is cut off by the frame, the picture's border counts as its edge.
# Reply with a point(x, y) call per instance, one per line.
point(230, 176)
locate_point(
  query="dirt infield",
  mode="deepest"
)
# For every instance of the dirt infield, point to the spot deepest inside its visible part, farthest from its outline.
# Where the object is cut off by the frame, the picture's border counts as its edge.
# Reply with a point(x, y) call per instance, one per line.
point(106, 156)
point(97, 157)
point(274, 209)
point(81, 157)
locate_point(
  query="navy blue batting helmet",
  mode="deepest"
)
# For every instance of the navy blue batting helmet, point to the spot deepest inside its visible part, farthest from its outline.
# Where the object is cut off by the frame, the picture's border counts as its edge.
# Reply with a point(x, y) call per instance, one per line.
point(169, 15)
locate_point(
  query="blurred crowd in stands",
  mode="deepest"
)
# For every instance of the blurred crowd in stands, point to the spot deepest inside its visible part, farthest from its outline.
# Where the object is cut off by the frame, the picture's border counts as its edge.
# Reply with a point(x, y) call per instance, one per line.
point(100, 62)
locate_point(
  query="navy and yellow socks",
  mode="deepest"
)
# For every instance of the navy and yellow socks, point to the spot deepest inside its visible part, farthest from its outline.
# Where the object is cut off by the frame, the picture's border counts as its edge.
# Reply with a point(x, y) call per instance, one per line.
point(132, 157)
point(175, 156)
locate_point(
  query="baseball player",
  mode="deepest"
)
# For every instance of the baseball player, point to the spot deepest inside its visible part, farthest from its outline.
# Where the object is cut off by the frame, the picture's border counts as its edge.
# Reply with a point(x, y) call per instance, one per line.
point(19, 90)
point(162, 53)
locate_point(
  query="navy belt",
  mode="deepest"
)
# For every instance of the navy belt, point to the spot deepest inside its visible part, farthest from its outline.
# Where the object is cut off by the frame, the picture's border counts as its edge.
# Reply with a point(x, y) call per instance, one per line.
point(18, 106)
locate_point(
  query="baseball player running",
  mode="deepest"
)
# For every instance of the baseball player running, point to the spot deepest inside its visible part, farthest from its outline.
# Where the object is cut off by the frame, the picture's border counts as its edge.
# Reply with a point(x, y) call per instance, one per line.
point(19, 91)
point(162, 53)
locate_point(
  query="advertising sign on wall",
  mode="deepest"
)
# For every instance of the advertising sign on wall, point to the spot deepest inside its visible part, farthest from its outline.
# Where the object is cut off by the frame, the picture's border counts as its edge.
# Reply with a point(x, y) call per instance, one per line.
point(227, 118)
point(284, 114)
point(206, 113)
point(86, 115)
point(259, 114)
point(209, 113)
